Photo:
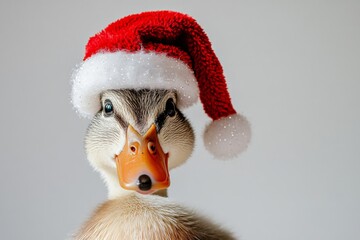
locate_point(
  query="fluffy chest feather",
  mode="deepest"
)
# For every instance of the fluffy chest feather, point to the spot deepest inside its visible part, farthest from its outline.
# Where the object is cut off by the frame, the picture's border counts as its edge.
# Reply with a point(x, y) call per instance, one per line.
point(150, 218)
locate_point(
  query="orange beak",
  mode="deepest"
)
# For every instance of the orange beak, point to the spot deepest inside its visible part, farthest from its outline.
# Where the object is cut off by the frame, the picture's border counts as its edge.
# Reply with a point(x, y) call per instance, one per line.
point(142, 165)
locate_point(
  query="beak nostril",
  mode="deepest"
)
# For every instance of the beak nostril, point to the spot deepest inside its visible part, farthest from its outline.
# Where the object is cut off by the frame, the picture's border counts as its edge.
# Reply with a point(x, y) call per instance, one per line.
point(152, 147)
point(133, 149)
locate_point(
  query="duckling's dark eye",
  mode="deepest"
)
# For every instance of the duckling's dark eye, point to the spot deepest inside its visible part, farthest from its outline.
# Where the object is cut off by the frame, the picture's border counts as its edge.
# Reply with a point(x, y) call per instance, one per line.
point(108, 108)
point(170, 107)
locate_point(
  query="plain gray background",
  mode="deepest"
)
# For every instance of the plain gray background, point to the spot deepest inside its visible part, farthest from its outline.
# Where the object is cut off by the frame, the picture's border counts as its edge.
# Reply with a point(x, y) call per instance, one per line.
point(293, 68)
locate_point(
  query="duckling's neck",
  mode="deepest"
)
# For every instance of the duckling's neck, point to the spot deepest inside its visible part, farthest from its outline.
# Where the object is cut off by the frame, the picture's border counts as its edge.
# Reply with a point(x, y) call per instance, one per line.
point(115, 191)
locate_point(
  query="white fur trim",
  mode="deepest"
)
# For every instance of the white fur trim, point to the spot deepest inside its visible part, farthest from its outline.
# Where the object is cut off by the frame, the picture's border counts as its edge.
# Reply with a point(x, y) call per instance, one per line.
point(121, 70)
point(227, 136)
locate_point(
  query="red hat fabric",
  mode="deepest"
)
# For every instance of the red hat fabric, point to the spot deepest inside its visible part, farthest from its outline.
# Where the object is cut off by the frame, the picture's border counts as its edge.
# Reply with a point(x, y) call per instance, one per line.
point(167, 50)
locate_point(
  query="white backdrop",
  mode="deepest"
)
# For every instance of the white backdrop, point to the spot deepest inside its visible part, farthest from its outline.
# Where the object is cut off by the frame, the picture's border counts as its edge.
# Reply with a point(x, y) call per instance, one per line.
point(293, 68)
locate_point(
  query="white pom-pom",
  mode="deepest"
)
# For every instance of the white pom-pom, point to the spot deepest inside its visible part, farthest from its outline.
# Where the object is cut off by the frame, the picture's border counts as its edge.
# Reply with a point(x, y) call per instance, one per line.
point(227, 136)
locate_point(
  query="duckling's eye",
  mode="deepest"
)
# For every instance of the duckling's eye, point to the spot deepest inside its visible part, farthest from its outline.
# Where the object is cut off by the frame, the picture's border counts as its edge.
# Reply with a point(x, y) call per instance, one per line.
point(108, 108)
point(170, 107)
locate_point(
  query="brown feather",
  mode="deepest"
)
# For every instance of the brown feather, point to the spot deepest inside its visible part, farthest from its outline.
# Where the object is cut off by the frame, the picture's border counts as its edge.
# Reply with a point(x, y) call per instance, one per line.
point(138, 217)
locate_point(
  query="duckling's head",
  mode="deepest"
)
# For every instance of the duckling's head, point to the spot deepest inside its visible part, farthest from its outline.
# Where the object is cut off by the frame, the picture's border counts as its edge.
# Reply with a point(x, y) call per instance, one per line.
point(152, 50)
point(136, 138)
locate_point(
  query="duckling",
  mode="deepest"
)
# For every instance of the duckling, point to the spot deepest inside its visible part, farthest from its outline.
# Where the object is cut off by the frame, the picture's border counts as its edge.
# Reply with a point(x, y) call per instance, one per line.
point(135, 76)
point(130, 125)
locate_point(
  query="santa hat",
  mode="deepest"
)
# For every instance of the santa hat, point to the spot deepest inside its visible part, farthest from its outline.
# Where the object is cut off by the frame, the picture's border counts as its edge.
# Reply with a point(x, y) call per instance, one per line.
point(162, 50)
